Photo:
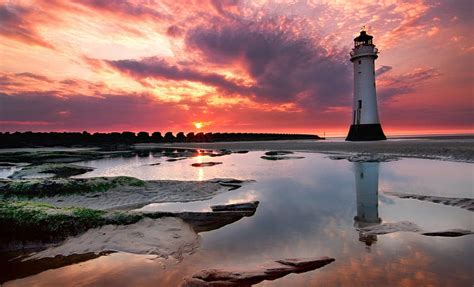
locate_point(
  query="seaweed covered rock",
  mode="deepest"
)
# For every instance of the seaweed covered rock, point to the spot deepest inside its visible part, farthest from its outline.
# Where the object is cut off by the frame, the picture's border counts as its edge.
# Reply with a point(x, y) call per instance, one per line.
point(51, 187)
point(58, 170)
point(23, 221)
point(28, 221)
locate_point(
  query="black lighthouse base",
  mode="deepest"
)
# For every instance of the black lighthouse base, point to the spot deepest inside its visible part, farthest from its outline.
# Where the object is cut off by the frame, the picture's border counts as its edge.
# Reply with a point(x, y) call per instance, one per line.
point(367, 132)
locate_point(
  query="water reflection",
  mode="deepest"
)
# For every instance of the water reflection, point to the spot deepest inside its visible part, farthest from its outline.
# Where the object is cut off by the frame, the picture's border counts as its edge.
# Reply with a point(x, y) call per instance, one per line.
point(367, 194)
point(200, 174)
point(308, 208)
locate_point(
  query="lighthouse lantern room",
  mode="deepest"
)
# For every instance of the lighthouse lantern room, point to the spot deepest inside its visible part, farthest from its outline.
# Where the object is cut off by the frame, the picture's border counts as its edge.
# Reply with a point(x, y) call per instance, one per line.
point(365, 117)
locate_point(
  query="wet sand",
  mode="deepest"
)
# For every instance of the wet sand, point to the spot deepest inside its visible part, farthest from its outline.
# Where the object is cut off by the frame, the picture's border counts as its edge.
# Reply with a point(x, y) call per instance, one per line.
point(441, 148)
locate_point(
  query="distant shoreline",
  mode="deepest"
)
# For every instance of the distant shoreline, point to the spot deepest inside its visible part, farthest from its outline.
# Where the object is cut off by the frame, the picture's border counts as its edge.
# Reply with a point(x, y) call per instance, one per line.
point(458, 148)
point(450, 148)
point(116, 140)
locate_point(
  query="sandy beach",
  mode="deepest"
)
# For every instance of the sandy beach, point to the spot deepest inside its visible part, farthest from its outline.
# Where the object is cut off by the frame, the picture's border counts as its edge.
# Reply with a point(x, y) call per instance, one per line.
point(453, 148)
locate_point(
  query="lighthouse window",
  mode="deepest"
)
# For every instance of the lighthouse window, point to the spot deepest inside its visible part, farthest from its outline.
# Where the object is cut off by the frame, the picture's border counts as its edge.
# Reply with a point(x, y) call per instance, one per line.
point(360, 62)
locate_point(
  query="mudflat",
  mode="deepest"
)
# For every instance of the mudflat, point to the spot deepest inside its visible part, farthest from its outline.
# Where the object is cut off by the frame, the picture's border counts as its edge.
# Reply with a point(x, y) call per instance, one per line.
point(452, 148)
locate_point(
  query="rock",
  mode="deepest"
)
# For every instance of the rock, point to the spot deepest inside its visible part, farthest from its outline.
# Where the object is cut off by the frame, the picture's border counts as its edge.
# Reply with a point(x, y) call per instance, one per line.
point(59, 156)
point(154, 164)
point(241, 151)
point(232, 184)
point(278, 152)
point(305, 263)
point(64, 186)
point(162, 237)
point(22, 221)
point(61, 170)
point(207, 221)
point(449, 233)
point(267, 271)
point(106, 193)
point(176, 159)
point(247, 206)
point(203, 164)
point(280, 157)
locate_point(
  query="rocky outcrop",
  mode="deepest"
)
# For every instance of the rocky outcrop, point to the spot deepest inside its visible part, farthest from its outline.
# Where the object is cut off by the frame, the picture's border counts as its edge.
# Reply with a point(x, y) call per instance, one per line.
point(32, 222)
point(267, 271)
point(162, 237)
point(64, 186)
point(57, 170)
point(105, 193)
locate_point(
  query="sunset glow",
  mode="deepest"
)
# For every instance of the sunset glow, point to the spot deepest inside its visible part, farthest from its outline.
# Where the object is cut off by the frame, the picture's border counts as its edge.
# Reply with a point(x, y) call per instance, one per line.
point(245, 66)
point(198, 125)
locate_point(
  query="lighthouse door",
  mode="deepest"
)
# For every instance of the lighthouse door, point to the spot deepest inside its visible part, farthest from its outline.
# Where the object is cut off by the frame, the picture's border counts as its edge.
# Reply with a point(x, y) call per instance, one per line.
point(359, 109)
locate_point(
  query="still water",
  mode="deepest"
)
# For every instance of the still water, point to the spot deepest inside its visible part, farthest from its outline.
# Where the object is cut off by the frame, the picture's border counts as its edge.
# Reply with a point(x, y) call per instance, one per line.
point(309, 207)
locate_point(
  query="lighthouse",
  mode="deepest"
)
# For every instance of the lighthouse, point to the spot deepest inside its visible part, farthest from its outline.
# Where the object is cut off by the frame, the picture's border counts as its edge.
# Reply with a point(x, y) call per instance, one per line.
point(365, 116)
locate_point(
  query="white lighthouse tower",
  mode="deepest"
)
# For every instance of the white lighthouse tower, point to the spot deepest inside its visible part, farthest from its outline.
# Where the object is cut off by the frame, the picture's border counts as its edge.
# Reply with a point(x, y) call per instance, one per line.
point(365, 117)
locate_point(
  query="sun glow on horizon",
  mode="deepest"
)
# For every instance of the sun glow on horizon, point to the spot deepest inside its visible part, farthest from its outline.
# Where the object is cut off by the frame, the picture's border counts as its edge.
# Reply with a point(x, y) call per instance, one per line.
point(198, 125)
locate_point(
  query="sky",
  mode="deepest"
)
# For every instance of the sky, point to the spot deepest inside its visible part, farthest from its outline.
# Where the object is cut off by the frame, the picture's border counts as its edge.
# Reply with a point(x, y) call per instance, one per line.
point(232, 66)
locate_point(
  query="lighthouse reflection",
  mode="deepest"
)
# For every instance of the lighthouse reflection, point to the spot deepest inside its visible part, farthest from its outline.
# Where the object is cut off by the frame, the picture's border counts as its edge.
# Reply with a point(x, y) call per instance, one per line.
point(367, 184)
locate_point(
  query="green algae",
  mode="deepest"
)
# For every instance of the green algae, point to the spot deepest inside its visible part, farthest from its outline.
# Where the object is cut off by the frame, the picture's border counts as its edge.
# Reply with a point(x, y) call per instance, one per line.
point(51, 187)
point(29, 221)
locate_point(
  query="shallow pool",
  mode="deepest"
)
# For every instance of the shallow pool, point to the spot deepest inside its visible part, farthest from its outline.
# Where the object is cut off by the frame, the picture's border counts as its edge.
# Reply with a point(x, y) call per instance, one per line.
point(308, 207)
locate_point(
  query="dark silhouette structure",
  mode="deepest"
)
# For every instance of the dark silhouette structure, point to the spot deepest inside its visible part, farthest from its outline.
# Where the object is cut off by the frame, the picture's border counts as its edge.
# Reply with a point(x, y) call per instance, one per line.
point(116, 140)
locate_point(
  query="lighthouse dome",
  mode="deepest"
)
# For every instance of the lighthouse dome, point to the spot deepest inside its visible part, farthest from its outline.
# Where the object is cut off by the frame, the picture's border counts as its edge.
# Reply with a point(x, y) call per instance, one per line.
point(363, 39)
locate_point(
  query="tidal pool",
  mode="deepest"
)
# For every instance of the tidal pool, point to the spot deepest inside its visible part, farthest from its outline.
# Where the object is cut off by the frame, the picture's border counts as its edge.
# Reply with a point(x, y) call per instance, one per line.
point(312, 206)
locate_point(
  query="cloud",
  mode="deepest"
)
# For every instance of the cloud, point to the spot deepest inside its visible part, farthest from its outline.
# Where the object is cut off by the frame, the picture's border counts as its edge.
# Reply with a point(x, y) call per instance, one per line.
point(261, 64)
point(382, 70)
point(14, 24)
point(280, 65)
point(156, 68)
point(34, 76)
point(126, 111)
point(124, 7)
point(402, 84)
point(174, 31)
point(284, 65)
